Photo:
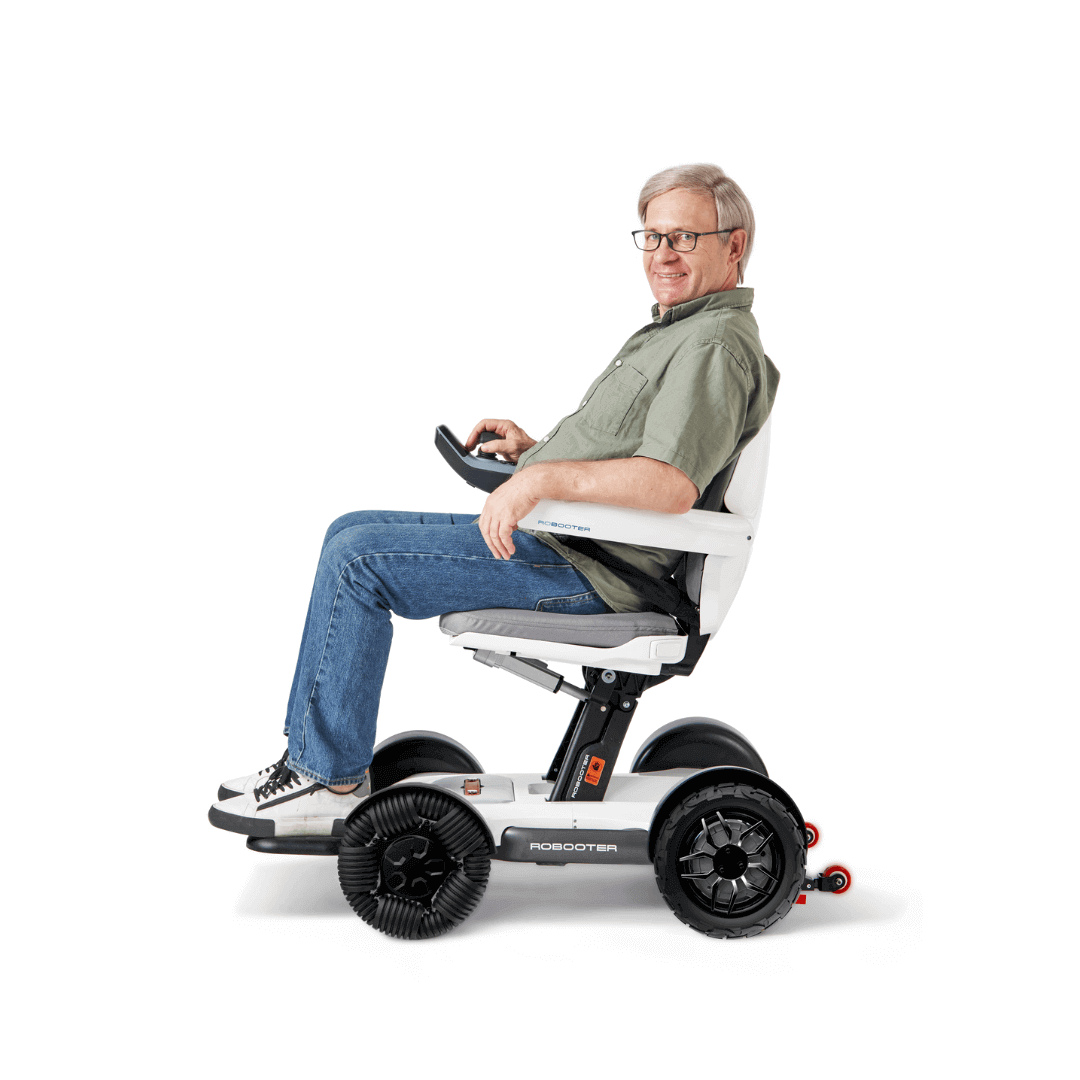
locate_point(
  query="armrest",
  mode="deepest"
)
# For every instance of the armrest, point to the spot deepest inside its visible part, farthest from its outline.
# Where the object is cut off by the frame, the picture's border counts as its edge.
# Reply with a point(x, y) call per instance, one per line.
point(696, 530)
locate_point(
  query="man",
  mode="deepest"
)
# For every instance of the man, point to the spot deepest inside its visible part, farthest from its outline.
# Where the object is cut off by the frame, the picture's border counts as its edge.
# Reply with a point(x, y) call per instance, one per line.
point(676, 405)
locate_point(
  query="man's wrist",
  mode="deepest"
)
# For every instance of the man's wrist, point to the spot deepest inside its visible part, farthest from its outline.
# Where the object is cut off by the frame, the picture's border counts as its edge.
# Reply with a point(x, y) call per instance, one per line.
point(532, 481)
point(554, 480)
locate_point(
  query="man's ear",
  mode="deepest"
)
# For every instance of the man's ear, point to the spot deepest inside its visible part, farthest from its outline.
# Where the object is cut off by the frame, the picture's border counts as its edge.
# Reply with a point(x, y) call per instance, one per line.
point(737, 249)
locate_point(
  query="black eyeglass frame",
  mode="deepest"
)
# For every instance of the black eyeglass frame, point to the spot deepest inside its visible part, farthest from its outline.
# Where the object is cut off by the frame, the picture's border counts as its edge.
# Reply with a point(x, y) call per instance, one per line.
point(667, 236)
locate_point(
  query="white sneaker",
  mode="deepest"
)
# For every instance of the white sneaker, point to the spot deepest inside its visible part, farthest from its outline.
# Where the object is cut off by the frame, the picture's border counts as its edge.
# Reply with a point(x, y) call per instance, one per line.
point(245, 785)
point(288, 804)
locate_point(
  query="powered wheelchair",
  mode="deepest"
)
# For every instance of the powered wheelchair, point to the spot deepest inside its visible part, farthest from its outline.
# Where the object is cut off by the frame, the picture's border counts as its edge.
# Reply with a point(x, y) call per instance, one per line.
point(727, 843)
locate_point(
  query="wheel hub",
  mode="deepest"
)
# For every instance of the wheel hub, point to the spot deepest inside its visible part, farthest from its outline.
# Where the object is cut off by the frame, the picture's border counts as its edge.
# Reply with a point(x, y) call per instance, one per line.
point(730, 862)
point(414, 866)
point(732, 865)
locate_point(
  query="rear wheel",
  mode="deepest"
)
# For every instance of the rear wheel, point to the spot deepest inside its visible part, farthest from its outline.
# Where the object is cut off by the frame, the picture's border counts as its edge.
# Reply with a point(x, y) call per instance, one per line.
point(414, 862)
point(730, 860)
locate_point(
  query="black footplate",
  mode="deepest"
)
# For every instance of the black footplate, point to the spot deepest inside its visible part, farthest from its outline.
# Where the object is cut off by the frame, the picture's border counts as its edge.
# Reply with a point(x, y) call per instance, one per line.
point(295, 845)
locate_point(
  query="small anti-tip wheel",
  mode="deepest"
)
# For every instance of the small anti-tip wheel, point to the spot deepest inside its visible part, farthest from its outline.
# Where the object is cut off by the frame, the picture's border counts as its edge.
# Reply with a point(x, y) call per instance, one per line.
point(813, 835)
point(843, 872)
point(414, 862)
point(730, 860)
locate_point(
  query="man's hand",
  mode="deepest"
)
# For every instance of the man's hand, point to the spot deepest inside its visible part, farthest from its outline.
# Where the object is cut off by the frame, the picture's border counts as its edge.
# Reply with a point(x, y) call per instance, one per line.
point(504, 508)
point(512, 441)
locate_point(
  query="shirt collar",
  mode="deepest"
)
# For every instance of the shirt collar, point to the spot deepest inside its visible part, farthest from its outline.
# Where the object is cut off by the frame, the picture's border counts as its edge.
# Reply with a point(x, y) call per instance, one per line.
point(738, 298)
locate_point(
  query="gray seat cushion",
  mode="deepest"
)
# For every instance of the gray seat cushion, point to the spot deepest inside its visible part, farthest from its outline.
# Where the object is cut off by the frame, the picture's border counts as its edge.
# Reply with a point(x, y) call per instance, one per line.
point(599, 631)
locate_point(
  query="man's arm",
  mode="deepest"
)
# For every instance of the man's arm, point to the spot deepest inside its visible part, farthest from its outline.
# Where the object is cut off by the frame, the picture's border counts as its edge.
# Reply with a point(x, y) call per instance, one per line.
point(640, 483)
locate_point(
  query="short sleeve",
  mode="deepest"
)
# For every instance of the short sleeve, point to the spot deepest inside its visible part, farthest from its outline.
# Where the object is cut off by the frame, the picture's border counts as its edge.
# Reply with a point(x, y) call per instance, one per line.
point(697, 417)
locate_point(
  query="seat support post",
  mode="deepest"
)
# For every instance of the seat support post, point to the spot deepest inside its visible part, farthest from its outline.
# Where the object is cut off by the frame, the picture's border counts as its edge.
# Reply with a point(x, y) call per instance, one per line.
point(586, 757)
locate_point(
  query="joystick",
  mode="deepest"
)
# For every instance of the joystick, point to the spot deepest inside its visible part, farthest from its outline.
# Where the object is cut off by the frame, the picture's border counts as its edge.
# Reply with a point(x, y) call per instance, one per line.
point(482, 470)
point(487, 436)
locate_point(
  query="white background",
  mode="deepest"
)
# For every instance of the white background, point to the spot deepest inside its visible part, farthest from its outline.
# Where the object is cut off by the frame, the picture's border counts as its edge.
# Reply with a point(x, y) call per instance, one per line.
point(253, 253)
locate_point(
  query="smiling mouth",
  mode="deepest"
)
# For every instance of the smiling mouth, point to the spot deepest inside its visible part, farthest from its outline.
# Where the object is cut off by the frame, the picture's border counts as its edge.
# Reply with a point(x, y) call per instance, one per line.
point(670, 275)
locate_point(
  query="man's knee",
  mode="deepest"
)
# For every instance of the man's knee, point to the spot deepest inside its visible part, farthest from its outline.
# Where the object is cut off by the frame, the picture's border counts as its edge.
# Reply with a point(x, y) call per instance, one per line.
point(349, 521)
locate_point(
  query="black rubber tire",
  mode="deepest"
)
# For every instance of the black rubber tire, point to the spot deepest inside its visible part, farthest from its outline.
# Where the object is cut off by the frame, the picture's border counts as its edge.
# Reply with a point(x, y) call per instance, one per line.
point(414, 863)
point(769, 888)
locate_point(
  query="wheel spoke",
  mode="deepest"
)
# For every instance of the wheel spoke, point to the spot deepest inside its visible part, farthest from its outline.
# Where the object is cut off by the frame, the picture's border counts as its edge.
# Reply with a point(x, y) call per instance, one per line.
point(709, 838)
point(723, 825)
point(715, 889)
point(734, 893)
point(755, 825)
point(759, 867)
point(701, 847)
point(698, 855)
point(751, 885)
point(757, 850)
point(704, 875)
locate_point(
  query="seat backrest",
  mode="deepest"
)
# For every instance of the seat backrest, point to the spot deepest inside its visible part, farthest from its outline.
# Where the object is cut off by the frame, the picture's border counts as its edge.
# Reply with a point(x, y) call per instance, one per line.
point(744, 494)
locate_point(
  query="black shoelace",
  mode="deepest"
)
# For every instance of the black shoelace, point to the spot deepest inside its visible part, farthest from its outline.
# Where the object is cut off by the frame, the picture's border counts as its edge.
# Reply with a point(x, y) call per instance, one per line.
point(277, 765)
point(281, 778)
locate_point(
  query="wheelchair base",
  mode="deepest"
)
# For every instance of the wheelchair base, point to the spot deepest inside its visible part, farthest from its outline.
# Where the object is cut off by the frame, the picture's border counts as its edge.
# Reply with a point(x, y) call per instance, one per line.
point(526, 826)
point(727, 844)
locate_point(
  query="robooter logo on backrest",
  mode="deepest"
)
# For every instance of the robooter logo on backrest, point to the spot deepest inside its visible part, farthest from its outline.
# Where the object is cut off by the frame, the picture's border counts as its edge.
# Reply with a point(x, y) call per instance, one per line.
point(564, 525)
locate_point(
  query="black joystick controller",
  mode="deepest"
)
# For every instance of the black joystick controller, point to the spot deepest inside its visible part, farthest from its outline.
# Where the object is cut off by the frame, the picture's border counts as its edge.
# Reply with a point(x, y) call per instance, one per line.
point(482, 470)
point(487, 436)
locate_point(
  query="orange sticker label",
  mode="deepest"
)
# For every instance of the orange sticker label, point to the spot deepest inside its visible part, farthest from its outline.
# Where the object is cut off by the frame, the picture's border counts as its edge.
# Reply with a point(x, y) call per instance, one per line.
point(592, 773)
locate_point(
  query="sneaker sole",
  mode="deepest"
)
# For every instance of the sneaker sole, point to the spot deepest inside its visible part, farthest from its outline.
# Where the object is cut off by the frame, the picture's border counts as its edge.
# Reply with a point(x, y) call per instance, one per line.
point(235, 823)
point(253, 827)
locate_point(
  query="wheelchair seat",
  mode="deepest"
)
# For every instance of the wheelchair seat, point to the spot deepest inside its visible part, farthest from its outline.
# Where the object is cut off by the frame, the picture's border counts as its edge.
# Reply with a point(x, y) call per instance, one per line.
point(599, 631)
point(718, 543)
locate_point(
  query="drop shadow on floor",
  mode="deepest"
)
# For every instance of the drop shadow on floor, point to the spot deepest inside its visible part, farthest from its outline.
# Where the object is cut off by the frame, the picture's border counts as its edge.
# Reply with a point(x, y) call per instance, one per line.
point(525, 893)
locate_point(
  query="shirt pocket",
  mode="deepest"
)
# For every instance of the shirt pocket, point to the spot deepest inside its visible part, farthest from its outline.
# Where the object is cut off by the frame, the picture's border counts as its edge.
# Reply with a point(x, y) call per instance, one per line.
point(606, 409)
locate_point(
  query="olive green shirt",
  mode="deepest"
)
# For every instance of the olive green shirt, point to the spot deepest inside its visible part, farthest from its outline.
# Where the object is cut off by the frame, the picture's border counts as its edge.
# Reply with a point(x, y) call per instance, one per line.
point(691, 389)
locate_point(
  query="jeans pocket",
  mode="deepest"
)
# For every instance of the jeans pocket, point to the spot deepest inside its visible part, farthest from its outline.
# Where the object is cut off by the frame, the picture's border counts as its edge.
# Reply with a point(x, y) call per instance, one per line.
point(586, 603)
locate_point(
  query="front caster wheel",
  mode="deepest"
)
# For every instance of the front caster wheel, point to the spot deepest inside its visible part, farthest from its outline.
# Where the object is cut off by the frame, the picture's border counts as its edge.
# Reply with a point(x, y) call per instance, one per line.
point(414, 862)
point(842, 876)
point(730, 860)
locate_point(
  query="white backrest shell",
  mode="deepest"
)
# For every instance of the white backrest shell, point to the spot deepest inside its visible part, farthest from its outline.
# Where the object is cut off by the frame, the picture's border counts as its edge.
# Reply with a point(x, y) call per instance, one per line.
point(746, 492)
point(721, 577)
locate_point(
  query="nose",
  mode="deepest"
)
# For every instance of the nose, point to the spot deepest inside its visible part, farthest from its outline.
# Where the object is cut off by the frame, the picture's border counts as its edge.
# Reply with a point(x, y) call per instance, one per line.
point(665, 252)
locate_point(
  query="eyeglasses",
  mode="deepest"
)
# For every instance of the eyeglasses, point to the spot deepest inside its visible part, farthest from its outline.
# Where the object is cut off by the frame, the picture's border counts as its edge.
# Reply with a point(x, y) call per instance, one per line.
point(647, 240)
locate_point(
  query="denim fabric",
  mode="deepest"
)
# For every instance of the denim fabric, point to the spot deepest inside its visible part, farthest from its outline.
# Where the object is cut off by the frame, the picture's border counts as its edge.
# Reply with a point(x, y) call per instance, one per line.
point(415, 565)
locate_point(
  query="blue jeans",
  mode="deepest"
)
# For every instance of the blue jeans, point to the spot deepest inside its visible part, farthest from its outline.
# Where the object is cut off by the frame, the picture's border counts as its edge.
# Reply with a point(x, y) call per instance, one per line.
point(415, 565)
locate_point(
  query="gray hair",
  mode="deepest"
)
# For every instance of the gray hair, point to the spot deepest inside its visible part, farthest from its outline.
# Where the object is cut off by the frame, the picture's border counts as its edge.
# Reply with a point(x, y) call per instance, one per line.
point(733, 210)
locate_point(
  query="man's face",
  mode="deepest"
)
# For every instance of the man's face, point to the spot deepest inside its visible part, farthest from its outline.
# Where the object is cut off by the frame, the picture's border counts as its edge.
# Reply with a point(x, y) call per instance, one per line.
point(678, 276)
